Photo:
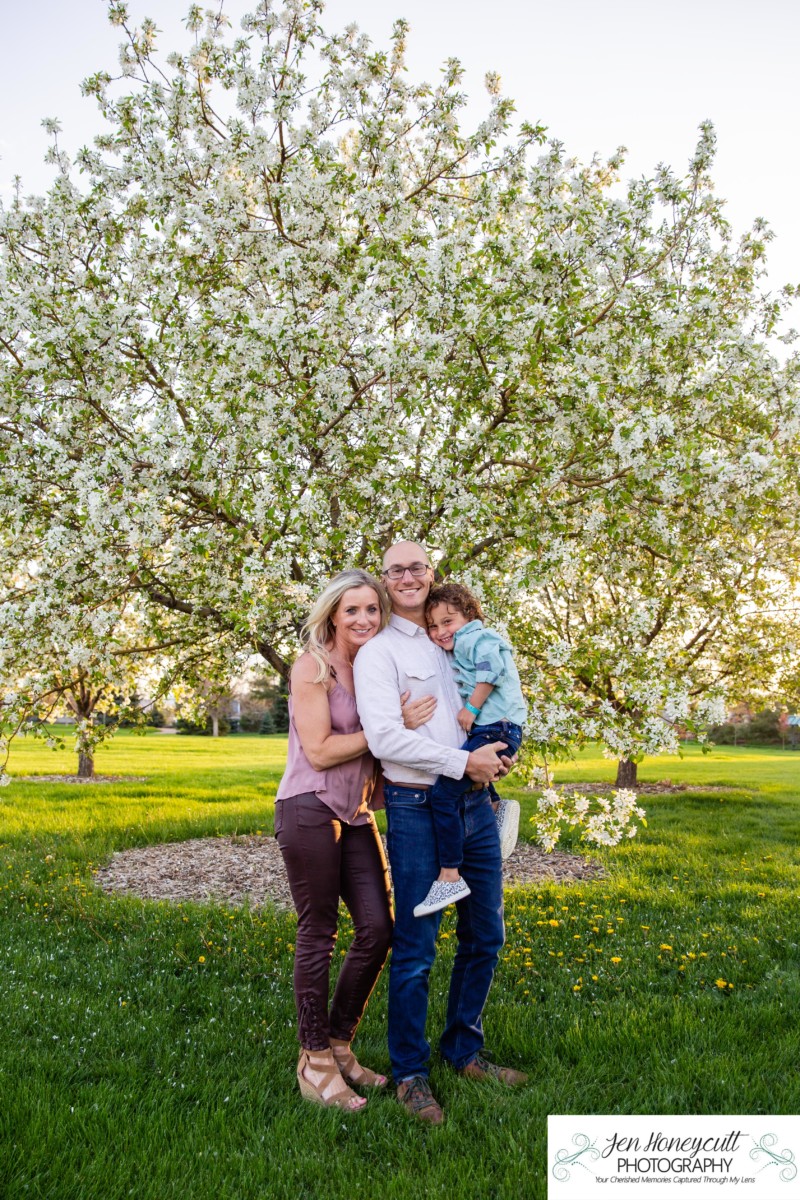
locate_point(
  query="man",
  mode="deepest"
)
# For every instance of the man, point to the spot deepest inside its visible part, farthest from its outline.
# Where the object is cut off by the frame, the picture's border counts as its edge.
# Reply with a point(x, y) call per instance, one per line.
point(403, 659)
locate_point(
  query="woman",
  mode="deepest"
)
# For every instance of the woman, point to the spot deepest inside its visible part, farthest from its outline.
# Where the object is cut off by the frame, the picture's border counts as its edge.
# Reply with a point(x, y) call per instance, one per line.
point(329, 841)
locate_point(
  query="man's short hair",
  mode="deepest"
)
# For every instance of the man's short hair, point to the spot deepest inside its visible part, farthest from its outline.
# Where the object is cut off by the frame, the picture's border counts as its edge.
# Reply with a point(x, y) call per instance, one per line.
point(405, 542)
point(458, 597)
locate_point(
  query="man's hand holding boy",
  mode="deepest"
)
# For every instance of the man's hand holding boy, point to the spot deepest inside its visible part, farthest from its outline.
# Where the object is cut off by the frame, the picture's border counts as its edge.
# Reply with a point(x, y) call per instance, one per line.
point(485, 764)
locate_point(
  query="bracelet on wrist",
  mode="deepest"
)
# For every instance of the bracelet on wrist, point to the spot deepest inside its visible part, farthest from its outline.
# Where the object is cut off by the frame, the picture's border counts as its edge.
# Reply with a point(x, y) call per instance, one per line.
point(476, 712)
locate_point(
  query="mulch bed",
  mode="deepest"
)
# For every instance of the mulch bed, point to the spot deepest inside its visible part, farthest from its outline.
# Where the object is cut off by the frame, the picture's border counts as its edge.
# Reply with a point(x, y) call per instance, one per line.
point(663, 787)
point(238, 870)
point(250, 869)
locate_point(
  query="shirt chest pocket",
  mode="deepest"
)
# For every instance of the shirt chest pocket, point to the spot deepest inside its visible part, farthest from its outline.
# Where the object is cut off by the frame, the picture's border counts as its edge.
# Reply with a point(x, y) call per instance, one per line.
point(419, 681)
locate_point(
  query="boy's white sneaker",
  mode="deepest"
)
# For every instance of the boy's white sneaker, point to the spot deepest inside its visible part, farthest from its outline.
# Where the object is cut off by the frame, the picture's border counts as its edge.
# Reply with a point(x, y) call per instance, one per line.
point(507, 817)
point(440, 895)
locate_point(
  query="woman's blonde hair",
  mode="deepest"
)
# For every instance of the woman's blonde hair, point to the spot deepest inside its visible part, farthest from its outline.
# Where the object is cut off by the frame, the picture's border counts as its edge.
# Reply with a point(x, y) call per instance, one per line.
point(318, 632)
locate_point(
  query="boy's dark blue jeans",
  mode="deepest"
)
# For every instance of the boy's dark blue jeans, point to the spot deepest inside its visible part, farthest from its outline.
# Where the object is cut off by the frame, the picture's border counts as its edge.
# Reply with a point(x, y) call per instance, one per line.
point(447, 795)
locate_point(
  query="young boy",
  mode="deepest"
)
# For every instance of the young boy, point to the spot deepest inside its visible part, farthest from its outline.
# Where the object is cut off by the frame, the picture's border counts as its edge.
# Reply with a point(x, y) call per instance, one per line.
point(494, 711)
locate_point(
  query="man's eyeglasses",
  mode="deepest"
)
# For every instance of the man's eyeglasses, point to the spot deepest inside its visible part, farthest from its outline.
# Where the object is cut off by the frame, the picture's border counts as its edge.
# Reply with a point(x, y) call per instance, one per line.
point(416, 569)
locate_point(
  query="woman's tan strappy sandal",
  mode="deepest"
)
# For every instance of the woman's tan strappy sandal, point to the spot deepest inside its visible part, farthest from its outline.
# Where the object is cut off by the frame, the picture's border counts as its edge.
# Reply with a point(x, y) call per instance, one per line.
point(331, 1091)
point(352, 1070)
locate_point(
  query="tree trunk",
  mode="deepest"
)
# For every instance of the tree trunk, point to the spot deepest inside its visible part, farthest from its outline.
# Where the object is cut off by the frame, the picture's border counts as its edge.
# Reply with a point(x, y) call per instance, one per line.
point(82, 700)
point(626, 774)
point(85, 765)
point(214, 725)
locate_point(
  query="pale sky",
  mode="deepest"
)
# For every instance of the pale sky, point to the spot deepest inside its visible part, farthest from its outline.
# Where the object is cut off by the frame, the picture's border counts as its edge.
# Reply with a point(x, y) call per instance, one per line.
point(598, 73)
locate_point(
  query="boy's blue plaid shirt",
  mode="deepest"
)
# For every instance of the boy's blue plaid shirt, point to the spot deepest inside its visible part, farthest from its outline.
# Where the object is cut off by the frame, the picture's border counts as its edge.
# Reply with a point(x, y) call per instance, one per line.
point(481, 655)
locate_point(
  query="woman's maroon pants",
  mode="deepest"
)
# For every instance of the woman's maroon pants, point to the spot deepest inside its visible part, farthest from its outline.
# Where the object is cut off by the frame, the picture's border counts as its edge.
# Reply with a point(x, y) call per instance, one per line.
point(326, 858)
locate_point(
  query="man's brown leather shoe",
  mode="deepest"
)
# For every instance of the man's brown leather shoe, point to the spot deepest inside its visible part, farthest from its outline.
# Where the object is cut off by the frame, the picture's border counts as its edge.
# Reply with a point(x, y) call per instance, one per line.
point(481, 1068)
point(416, 1097)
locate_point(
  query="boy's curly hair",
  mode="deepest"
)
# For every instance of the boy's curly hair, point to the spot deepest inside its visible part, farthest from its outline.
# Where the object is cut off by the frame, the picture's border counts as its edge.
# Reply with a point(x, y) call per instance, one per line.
point(458, 597)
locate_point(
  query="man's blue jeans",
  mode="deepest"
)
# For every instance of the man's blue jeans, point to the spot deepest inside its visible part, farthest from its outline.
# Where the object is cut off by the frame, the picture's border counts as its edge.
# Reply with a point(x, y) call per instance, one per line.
point(446, 794)
point(479, 930)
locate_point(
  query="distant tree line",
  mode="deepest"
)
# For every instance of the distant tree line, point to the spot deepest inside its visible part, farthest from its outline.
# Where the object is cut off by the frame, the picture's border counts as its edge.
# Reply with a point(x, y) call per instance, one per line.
point(763, 729)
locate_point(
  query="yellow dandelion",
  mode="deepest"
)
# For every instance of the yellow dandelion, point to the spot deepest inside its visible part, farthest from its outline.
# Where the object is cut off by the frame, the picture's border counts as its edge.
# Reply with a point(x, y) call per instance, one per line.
point(664, 946)
point(721, 983)
point(616, 959)
point(202, 958)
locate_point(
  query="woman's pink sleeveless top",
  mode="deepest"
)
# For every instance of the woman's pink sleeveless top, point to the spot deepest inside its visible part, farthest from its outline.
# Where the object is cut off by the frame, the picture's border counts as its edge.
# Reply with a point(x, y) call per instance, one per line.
point(347, 788)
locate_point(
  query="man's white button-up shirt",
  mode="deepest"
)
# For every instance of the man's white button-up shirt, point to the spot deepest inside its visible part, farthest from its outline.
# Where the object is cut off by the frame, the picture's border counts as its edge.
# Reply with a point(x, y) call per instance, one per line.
point(402, 658)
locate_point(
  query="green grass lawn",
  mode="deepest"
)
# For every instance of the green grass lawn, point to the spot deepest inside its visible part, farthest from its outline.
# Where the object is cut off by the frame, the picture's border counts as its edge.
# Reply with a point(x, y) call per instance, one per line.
point(148, 1050)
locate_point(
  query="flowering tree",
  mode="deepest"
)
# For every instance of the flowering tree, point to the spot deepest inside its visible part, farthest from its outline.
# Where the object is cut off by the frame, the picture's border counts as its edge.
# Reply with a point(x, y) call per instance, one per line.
point(633, 646)
point(286, 310)
point(598, 820)
point(95, 688)
point(93, 663)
